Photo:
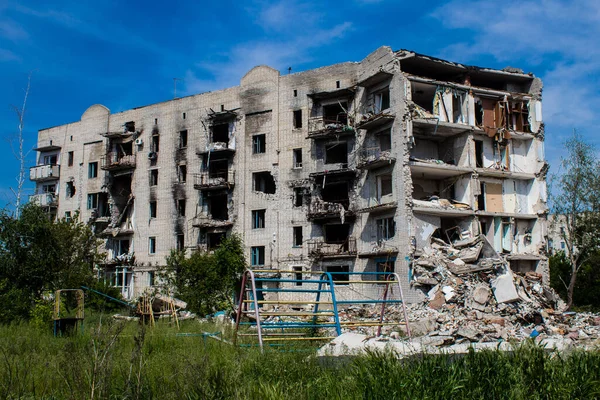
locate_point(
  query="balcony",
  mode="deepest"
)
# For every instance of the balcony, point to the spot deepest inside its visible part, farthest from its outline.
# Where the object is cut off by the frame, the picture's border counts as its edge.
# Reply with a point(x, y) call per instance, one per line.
point(324, 210)
point(319, 249)
point(214, 180)
point(371, 121)
point(42, 173)
point(44, 199)
point(329, 127)
point(374, 157)
point(117, 161)
point(225, 148)
point(205, 221)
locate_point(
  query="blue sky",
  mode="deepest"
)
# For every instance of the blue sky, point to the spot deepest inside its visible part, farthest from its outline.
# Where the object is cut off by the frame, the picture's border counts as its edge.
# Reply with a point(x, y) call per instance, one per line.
point(126, 54)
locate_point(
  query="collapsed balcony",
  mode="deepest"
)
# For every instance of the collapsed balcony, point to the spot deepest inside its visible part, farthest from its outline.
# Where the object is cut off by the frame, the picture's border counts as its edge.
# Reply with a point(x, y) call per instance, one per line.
point(204, 221)
point(374, 157)
point(319, 210)
point(333, 123)
point(215, 212)
point(320, 249)
point(117, 161)
point(127, 131)
point(43, 173)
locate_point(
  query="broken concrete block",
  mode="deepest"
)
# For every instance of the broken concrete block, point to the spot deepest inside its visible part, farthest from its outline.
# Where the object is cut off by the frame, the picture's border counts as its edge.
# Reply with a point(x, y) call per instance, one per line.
point(481, 294)
point(448, 292)
point(468, 333)
point(438, 301)
point(504, 288)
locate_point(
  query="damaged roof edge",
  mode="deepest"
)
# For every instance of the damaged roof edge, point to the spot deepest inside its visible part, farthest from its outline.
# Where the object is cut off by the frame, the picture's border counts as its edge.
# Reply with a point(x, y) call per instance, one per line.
point(405, 54)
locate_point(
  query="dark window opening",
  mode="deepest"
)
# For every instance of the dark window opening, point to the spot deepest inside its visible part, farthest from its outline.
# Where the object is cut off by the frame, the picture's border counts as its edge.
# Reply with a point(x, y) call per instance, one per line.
point(340, 274)
point(181, 207)
point(71, 156)
point(154, 145)
point(297, 231)
point(214, 239)
point(153, 209)
point(70, 189)
point(484, 227)
point(258, 219)
point(92, 201)
point(257, 255)
point(337, 84)
point(182, 173)
point(263, 182)
point(218, 169)
point(259, 144)
point(152, 245)
point(130, 126)
point(122, 247)
point(180, 242)
point(337, 192)
point(457, 108)
point(297, 153)
point(385, 140)
point(298, 196)
point(335, 113)
point(183, 115)
point(183, 138)
point(297, 119)
point(386, 228)
point(385, 185)
point(67, 216)
point(295, 93)
point(71, 138)
point(153, 177)
point(222, 107)
point(155, 121)
point(336, 153)
point(298, 275)
point(423, 94)
point(478, 154)
point(382, 100)
point(481, 197)
point(478, 113)
point(103, 206)
point(220, 133)
point(337, 233)
point(217, 207)
point(93, 170)
point(50, 160)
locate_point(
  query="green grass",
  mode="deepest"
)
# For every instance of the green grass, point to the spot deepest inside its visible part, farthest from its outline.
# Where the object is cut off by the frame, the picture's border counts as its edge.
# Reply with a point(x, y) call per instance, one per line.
point(116, 360)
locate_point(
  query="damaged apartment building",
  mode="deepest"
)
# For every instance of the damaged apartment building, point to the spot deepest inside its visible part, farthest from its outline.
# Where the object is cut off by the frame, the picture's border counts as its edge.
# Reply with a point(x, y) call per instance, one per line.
point(358, 166)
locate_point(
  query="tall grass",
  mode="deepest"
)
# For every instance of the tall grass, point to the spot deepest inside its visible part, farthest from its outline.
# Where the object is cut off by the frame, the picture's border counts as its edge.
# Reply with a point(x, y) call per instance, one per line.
point(117, 360)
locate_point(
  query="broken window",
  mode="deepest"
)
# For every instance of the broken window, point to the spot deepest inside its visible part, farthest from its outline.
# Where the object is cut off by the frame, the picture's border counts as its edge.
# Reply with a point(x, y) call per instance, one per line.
point(93, 170)
point(220, 133)
point(259, 144)
point(336, 153)
point(70, 189)
point(297, 119)
point(335, 113)
point(340, 274)
point(181, 207)
point(478, 153)
point(130, 126)
point(384, 185)
point(386, 228)
point(297, 158)
point(385, 140)
point(180, 242)
point(70, 158)
point(258, 219)
point(182, 173)
point(298, 275)
point(154, 143)
point(214, 239)
point(153, 177)
point(217, 206)
point(153, 209)
point(183, 137)
point(458, 111)
point(478, 112)
point(297, 236)
point(381, 100)
point(337, 233)
point(298, 196)
point(263, 182)
point(49, 189)
point(50, 160)
point(336, 192)
point(152, 245)
point(257, 255)
point(481, 197)
point(92, 201)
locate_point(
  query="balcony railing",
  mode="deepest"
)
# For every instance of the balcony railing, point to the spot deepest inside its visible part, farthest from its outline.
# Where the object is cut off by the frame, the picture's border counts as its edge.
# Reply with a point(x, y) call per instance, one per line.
point(323, 127)
point(44, 199)
point(45, 172)
point(115, 161)
point(325, 210)
point(372, 157)
point(214, 180)
point(321, 249)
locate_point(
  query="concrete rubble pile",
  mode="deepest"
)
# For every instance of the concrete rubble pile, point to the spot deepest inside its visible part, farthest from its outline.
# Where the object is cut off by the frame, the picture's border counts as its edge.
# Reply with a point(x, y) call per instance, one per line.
point(472, 296)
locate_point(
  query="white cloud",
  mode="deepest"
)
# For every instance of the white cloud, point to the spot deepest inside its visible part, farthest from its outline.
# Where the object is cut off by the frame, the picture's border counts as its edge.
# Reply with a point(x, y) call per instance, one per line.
point(7, 55)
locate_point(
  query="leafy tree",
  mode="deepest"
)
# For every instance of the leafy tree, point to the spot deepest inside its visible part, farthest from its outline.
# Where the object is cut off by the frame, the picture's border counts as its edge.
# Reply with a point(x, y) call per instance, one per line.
point(38, 255)
point(587, 287)
point(576, 203)
point(206, 281)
